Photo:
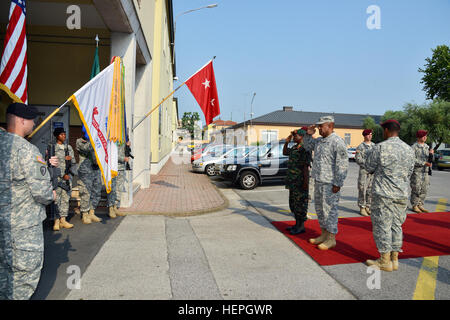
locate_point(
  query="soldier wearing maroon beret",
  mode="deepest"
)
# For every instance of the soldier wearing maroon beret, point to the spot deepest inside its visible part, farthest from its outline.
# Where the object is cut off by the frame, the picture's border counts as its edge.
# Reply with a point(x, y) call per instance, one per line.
point(420, 179)
point(364, 178)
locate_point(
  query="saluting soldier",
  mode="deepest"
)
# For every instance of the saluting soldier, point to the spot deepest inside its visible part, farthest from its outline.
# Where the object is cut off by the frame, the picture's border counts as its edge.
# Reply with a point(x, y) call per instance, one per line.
point(391, 162)
point(420, 179)
point(25, 190)
point(65, 155)
point(297, 179)
point(329, 171)
point(89, 180)
point(364, 178)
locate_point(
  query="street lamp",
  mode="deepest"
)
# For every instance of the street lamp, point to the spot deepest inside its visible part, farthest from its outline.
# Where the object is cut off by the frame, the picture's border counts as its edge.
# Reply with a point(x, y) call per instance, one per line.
point(175, 24)
point(251, 109)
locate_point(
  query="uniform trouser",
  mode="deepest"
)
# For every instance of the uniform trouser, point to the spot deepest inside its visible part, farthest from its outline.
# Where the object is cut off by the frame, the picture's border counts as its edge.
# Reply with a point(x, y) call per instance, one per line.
point(420, 180)
point(20, 266)
point(62, 201)
point(298, 203)
point(117, 185)
point(388, 216)
point(90, 188)
point(326, 205)
point(365, 180)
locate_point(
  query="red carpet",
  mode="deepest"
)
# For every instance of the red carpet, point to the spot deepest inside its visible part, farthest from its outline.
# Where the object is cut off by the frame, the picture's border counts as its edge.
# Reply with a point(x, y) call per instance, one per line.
point(424, 235)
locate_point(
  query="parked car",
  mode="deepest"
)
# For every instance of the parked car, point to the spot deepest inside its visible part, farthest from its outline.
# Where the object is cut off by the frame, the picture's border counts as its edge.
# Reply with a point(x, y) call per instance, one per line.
point(443, 160)
point(264, 164)
point(219, 166)
point(351, 154)
point(207, 164)
point(207, 149)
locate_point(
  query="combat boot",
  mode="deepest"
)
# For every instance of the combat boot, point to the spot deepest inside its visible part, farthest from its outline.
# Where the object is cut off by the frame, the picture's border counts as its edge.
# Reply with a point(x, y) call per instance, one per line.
point(298, 228)
point(329, 243)
point(421, 208)
point(383, 263)
point(363, 212)
point(394, 260)
point(320, 238)
point(368, 211)
point(76, 210)
point(85, 218)
point(65, 224)
point(56, 225)
point(93, 217)
point(112, 213)
point(416, 209)
point(120, 214)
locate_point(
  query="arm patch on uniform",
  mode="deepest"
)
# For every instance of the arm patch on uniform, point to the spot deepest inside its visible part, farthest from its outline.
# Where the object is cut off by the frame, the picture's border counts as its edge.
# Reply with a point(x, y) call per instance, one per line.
point(43, 170)
point(40, 160)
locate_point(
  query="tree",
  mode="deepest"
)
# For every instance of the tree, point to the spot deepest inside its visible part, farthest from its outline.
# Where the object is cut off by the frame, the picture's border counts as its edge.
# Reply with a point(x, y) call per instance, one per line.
point(377, 131)
point(188, 122)
point(435, 118)
point(436, 77)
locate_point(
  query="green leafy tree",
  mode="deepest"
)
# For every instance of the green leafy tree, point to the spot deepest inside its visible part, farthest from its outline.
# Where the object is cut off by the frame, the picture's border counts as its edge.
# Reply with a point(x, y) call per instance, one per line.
point(436, 79)
point(435, 118)
point(377, 131)
point(189, 120)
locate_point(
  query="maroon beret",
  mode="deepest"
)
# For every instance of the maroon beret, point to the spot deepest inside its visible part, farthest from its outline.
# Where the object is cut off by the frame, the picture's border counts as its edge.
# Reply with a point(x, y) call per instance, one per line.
point(421, 133)
point(366, 132)
point(390, 121)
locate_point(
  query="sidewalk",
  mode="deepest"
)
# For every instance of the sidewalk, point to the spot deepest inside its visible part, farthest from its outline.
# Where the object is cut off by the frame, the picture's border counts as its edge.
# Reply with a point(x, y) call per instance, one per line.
point(177, 191)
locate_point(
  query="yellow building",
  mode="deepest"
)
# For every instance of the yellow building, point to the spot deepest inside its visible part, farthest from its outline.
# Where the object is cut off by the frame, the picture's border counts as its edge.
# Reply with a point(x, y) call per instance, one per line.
point(278, 125)
point(61, 45)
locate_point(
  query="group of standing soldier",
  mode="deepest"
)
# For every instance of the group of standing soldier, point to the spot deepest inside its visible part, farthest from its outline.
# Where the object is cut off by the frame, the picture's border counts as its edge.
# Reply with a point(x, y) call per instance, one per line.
point(386, 170)
point(28, 183)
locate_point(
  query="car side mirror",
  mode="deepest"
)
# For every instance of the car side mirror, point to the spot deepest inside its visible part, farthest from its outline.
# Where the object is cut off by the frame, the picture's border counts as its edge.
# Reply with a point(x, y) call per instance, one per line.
point(269, 155)
point(224, 156)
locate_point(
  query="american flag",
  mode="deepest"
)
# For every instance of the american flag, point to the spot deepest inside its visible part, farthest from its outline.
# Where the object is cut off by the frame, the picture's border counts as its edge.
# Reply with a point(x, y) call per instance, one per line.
point(13, 67)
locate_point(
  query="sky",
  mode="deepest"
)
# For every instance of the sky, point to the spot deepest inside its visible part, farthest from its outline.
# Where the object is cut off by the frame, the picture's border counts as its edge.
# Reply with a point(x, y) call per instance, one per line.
point(316, 55)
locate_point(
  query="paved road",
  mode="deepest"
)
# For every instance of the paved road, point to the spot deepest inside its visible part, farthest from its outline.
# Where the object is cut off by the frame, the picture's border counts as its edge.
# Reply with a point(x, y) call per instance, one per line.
point(271, 201)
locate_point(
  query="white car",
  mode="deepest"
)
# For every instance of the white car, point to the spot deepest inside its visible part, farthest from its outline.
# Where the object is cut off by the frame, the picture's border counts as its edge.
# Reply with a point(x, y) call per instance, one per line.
point(207, 164)
point(351, 154)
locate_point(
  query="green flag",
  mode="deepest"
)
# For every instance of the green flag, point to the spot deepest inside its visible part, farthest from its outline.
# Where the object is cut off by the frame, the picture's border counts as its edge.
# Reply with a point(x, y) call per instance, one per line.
point(96, 66)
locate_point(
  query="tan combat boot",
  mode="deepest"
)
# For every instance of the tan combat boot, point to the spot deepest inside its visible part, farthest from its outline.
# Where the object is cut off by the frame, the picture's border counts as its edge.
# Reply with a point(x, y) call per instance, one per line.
point(120, 214)
point(93, 217)
point(76, 210)
point(363, 212)
point(112, 213)
point(320, 238)
point(416, 209)
point(65, 224)
point(422, 209)
point(56, 225)
point(329, 243)
point(383, 263)
point(368, 211)
point(394, 260)
point(85, 218)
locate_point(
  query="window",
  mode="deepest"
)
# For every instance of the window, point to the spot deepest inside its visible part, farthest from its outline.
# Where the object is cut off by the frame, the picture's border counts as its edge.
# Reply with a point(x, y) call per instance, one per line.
point(348, 139)
point(268, 136)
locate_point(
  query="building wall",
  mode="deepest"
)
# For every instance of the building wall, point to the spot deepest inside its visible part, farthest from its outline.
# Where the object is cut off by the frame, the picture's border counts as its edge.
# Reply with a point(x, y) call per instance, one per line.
point(162, 86)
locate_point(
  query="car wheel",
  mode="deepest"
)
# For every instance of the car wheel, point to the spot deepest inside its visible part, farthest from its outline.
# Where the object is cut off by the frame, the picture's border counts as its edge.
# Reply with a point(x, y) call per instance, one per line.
point(210, 170)
point(439, 168)
point(248, 180)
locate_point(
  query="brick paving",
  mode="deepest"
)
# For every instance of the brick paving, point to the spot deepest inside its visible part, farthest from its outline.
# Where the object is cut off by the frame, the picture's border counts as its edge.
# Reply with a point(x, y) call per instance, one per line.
point(177, 191)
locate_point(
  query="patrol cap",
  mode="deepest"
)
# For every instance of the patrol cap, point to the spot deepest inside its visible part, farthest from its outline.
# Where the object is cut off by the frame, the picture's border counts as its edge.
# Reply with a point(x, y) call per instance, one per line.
point(58, 131)
point(366, 132)
point(22, 110)
point(325, 119)
point(421, 133)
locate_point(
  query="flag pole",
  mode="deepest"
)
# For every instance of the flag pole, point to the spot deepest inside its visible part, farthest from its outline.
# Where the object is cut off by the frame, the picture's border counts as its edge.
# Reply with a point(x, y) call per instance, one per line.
point(46, 120)
point(156, 107)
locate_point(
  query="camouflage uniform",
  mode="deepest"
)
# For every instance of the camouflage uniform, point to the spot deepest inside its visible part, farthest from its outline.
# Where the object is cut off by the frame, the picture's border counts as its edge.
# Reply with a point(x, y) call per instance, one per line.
point(117, 183)
point(391, 162)
point(365, 179)
point(63, 196)
point(299, 160)
point(419, 178)
point(89, 177)
point(329, 169)
point(25, 189)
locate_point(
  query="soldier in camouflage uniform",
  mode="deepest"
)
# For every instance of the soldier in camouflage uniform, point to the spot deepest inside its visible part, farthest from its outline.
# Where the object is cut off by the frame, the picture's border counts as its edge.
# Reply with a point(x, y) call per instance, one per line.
point(420, 179)
point(297, 179)
point(329, 171)
point(364, 178)
point(25, 190)
point(64, 189)
point(117, 183)
point(392, 163)
point(89, 180)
